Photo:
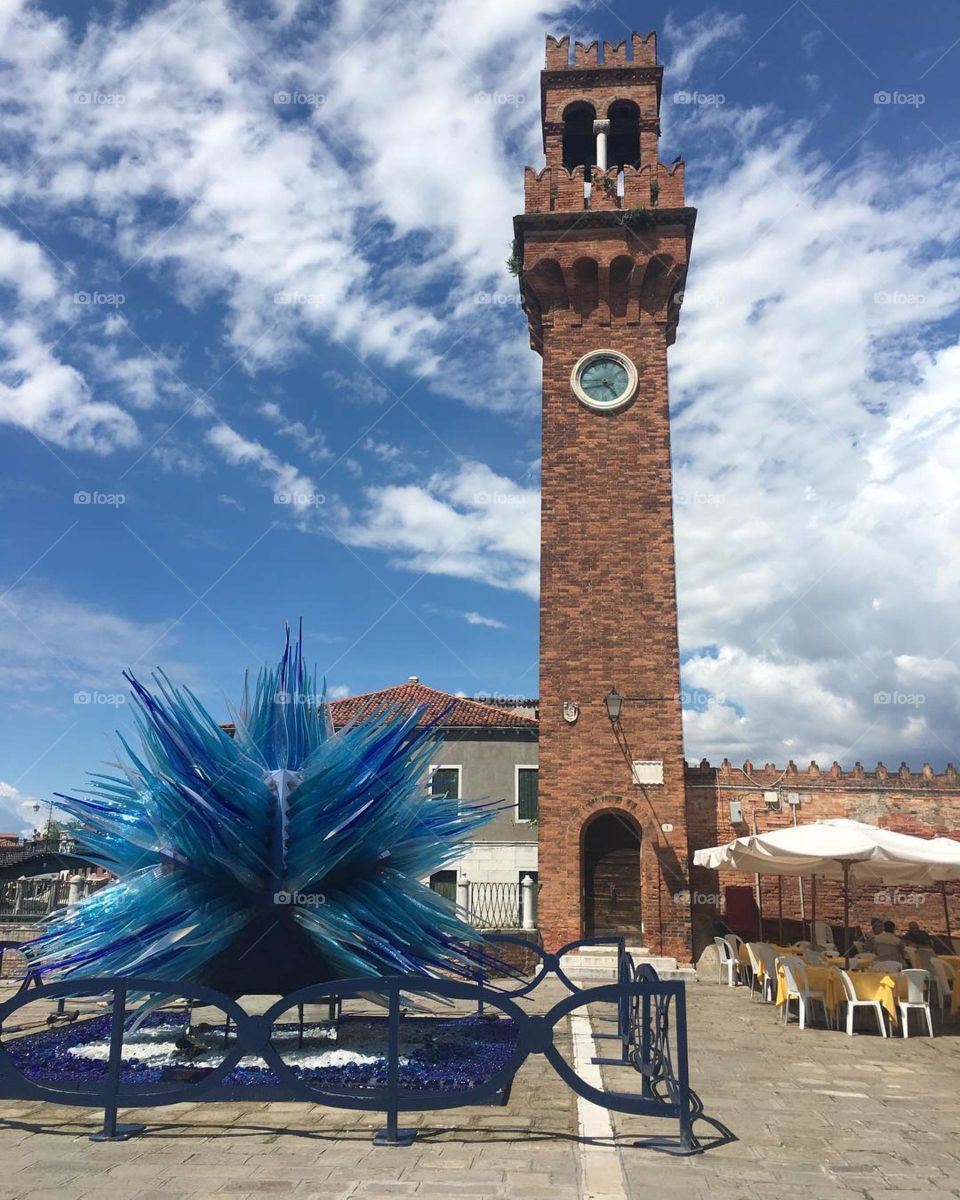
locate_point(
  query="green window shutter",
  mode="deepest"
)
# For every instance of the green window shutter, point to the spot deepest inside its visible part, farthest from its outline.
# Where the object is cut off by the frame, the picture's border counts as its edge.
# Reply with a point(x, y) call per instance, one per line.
point(527, 803)
point(446, 782)
point(445, 883)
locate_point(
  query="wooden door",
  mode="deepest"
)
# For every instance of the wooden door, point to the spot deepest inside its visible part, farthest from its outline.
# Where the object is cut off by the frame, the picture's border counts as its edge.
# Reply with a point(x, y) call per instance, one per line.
point(611, 877)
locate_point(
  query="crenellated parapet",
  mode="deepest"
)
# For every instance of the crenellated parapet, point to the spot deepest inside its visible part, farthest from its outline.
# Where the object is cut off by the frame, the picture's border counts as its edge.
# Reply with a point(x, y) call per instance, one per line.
point(639, 51)
point(555, 189)
point(748, 776)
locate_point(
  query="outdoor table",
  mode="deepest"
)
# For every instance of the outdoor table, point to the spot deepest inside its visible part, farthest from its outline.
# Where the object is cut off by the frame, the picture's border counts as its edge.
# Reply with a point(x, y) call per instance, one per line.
point(869, 985)
point(877, 985)
point(820, 979)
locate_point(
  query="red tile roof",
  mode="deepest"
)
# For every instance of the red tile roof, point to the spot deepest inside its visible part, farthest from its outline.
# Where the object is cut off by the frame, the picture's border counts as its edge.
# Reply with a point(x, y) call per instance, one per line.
point(451, 711)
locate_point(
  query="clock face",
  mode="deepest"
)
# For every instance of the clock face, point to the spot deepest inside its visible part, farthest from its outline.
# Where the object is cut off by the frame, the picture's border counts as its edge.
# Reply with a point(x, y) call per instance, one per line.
point(604, 379)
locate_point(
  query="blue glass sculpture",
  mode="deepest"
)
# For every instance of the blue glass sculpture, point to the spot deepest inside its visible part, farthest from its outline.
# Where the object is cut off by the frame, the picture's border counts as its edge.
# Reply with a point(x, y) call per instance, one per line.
point(282, 855)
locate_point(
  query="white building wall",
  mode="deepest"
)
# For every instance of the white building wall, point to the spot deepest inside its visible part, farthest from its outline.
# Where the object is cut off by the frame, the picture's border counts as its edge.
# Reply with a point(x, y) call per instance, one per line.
point(497, 862)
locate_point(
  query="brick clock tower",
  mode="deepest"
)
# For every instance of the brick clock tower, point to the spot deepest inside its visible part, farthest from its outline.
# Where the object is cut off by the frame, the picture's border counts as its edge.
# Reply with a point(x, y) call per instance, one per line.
point(604, 242)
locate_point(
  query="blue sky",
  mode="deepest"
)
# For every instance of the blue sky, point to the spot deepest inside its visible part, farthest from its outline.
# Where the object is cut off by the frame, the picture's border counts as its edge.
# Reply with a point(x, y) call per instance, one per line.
point(255, 310)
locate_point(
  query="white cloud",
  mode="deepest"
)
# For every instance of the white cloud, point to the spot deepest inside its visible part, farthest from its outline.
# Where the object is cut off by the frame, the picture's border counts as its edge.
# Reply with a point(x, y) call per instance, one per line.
point(142, 379)
point(913, 669)
point(22, 810)
point(310, 441)
point(337, 217)
point(475, 618)
point(291, 489)
point(53, 644)
point(38, 391)
point(814, 382)
point(359, 387)
point(397, 458)
point(472, 524)
point(173, 458)
point(696, 38)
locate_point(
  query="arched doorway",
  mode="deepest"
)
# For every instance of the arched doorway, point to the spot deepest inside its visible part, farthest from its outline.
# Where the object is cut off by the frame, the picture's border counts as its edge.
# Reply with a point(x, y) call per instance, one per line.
point(611, 876)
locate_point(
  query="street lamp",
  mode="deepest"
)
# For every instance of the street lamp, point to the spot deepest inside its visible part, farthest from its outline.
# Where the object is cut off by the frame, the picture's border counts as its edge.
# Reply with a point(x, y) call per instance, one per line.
point(613, 703)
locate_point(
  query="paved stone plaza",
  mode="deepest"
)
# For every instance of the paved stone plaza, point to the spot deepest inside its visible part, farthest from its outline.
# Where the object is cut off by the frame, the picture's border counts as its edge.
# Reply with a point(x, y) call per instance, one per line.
point(831, 1115)
point(814, 1112)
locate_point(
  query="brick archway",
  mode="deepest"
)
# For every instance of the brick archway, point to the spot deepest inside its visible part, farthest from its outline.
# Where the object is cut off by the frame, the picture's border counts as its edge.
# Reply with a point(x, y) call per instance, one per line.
point(610, 856)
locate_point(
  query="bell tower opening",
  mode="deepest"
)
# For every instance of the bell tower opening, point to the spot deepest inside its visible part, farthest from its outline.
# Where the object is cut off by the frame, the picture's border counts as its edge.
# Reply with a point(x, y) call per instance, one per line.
point(623, 144)
point(579, 142)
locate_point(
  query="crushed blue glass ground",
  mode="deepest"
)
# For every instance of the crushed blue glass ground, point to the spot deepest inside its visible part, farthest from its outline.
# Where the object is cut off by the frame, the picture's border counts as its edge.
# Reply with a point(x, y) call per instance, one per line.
point(451, 1054)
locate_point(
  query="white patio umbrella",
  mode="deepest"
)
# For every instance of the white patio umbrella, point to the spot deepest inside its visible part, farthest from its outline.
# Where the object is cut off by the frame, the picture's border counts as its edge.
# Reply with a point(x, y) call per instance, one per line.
point(843, 850)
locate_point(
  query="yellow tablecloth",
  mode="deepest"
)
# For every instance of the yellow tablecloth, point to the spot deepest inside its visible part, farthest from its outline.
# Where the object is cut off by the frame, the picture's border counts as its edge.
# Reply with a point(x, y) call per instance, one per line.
point(820, 979)
point(869, 985)
point(875, 985)
point(744, 958)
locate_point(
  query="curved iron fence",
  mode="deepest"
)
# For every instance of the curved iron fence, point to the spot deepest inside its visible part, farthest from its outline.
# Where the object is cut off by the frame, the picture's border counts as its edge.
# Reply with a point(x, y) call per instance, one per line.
point(651, 1025)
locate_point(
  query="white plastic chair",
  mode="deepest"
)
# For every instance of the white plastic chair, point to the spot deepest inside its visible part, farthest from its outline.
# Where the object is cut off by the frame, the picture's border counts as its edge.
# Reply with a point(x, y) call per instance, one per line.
point(888, 966)
point(919, 956)
point(768, 957)
point(798, 988)
point(918, 997)
point(813, 957)
point(735, 942)
point(941, 983)
point(824, 937)
point(853, 1002)
point(756, 969)
point(727, 962)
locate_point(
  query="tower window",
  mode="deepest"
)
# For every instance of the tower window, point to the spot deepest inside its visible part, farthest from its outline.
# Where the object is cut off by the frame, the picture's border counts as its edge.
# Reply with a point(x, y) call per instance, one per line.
point(579, 143)
point(623, 142)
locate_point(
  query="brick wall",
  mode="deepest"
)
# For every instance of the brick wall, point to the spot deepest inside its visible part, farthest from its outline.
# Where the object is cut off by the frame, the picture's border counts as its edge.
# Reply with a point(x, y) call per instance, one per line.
point(922, 803)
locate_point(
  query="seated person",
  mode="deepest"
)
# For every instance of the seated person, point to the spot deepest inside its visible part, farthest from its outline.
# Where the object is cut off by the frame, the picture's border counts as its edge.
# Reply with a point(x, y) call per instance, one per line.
point(864, 945)
point(888, 944)
point(916, 936)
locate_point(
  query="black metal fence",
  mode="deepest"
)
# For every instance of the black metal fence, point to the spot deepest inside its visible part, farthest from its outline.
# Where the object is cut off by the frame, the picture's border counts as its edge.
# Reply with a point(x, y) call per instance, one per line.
point(651, 1029)
point(499, 905)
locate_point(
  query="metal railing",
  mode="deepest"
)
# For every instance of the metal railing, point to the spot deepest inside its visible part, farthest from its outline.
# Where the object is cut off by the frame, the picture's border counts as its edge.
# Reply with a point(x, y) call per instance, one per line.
point(651, 1027)
point(31, 899)
point(21, 851)
point(498, 905)
point(26, 900)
